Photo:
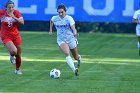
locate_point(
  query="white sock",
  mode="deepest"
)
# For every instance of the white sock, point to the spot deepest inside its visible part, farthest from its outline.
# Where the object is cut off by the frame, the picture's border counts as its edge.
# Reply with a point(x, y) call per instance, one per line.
point(79, 57)
point(138, 45)
point(70, 63)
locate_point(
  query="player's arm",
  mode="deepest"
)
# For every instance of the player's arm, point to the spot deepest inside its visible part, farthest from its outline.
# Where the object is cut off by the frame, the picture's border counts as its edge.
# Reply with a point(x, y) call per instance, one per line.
point(51, 26)
point(135, 18)
point(74, 30)
point(135, 21)
point(18, 18)
point(72, 24)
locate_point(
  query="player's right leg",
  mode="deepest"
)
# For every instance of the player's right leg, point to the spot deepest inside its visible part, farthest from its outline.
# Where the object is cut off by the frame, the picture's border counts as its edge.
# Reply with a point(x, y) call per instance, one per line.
point(15, 51)
point(12, 59)
point(12, 50)
point(65, 49)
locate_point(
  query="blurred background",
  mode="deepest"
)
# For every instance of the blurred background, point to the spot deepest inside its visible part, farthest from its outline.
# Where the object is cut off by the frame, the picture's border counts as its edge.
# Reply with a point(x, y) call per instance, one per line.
point(113, 16)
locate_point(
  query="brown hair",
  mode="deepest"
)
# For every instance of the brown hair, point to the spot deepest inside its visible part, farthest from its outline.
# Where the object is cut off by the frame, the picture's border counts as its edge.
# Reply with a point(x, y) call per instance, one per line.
point(9, 2)
point(61, 6)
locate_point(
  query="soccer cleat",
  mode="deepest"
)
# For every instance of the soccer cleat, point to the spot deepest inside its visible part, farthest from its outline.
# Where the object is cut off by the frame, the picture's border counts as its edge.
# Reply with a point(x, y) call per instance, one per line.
point(18, 72)
point(12, 60)
point(79, 62)
point(77, 72)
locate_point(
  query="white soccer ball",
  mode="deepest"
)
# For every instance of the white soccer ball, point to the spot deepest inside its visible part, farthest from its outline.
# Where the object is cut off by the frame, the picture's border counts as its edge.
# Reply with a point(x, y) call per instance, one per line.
point(55, 73)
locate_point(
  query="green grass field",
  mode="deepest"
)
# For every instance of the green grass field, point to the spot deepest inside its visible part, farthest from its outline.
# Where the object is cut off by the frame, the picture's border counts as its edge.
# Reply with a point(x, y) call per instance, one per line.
point(110, 64)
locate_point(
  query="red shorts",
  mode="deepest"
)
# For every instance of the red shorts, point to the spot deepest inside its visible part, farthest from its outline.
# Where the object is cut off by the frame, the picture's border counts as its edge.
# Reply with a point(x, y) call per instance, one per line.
point(16, 39)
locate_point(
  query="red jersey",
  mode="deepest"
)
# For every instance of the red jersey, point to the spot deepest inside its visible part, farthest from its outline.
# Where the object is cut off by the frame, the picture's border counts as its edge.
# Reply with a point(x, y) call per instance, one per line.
point(9, 26)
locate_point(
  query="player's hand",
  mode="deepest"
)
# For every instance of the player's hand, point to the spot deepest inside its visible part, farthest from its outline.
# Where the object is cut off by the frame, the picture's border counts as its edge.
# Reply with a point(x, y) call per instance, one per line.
point(11, 14)
point(50, 33)
point(76, 35)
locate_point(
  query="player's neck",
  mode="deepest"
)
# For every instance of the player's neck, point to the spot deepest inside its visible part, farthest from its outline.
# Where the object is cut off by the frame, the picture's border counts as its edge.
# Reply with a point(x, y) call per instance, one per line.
point(9, 12)
point(62, 16)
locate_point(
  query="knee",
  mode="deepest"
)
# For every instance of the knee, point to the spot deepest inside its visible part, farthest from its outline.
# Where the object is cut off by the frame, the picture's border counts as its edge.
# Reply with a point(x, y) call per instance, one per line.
point(18, 55)
point(13, 52)
point(66, 53)
point(76, 57)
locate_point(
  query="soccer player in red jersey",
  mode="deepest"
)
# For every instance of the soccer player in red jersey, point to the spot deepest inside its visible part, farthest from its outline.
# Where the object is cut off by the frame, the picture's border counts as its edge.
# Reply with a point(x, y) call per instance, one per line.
point(10, 36)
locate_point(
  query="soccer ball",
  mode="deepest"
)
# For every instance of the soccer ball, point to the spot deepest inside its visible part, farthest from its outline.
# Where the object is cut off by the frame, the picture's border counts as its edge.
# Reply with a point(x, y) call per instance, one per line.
point(55, 73)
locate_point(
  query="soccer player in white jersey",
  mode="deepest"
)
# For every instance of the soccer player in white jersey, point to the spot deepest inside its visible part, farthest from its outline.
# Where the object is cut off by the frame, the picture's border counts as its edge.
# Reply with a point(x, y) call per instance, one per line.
point(66, 37)
point(136, 19)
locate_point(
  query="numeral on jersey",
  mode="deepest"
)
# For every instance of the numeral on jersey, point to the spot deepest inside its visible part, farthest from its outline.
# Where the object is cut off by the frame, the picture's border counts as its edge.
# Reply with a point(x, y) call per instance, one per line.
point(10, 24)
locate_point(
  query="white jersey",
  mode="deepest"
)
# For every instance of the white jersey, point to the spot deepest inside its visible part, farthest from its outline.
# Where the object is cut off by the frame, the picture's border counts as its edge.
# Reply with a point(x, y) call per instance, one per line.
point(63, 27)
point(137, 16)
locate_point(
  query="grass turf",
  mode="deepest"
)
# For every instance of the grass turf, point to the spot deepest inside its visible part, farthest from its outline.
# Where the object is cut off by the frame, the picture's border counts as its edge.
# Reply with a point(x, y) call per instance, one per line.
point(110, 64)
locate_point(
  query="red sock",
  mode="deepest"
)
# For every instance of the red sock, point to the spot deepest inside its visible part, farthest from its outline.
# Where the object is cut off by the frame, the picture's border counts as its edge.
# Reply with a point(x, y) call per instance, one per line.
point(18, 63)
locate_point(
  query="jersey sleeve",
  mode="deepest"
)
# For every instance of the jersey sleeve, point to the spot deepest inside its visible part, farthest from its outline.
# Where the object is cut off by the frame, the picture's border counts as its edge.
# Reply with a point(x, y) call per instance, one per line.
point(71, 20)
point(53, 18)
point(1, 13)
point(135, 16)
point(18, 14)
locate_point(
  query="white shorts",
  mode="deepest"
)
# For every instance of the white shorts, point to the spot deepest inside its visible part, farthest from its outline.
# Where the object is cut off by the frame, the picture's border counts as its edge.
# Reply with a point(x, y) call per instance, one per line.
point(71, 44)
point(138, 30)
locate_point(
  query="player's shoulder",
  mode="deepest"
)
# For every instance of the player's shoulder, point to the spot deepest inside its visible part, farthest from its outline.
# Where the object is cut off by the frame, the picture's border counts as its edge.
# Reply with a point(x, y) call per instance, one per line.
point(137, 11)
point(55, 17)
point(16, 11)
point(2, 11)
point(68, 16)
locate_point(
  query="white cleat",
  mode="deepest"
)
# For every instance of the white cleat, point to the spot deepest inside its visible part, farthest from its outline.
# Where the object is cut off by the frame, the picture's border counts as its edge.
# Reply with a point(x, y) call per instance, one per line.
point(18, 72)
point(12, 60)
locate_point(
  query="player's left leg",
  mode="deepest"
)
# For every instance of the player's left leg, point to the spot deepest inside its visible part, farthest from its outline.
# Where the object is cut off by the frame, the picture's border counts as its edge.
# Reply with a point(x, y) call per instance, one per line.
point(74, 51)
point(138, 44)
point(18, 42)
point(76, 56)
point(18, 60)
point(138, 38)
